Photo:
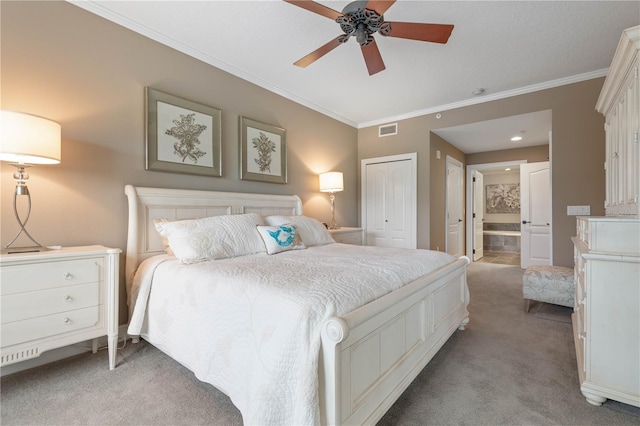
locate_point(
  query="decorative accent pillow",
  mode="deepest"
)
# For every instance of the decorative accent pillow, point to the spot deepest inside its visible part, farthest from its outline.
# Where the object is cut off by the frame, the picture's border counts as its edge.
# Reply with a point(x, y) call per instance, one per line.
point(216, 237)
point(163, 239)
point(312, 232)
point(280, 238)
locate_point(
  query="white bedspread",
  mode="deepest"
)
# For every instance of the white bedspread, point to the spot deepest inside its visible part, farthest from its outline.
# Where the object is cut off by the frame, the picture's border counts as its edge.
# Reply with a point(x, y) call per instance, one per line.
point(251, 325)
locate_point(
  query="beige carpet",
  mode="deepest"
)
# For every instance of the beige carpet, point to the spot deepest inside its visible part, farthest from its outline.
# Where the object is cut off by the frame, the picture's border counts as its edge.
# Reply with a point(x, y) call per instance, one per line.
point(506, 368)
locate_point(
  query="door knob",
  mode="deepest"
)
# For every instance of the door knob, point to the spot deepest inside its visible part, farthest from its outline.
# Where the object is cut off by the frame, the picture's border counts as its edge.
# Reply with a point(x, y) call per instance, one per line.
point(524, 222)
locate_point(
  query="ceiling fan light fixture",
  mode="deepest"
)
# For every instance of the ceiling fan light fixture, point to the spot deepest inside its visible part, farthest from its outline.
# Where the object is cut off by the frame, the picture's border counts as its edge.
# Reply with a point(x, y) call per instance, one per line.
point(361, 34)
point(363, 19)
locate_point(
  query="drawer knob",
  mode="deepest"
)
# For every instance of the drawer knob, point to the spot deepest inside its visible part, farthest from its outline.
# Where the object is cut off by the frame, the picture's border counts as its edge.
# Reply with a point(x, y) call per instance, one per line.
point(68, 276)
point(68, 298)
point(66, 320)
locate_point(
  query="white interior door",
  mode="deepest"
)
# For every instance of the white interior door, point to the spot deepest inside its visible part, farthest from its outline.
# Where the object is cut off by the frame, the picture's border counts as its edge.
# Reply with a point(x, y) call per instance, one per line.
point(389, 201)
point(535, 187)
point(478, 215)
point(454, 207)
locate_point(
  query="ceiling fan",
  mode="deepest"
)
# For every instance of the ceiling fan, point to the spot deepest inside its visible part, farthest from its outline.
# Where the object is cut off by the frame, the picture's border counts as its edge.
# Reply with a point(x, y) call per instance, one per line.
point(364, 18)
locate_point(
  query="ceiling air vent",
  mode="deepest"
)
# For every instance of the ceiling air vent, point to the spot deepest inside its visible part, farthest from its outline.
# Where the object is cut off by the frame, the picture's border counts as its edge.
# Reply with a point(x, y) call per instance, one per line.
point(388, 130)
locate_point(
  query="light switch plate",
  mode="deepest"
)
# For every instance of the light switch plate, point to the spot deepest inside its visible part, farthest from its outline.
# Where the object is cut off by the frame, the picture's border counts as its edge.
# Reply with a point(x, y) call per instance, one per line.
point(578, 210)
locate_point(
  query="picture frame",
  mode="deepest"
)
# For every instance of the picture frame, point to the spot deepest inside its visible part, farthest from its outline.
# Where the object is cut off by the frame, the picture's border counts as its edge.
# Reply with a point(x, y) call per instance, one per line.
point(502, 198)
point(182, 136)
point(263, 152)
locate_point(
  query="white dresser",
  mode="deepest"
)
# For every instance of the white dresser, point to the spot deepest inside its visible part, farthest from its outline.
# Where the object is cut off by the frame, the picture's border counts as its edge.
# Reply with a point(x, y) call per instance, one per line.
point(619, 102)
point(606, 318)
point(57, 298)
point(347, 235)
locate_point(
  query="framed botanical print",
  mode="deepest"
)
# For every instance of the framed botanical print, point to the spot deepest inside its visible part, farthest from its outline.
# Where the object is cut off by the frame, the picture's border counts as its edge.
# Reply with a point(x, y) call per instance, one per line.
point(182, 136)
point(502, 198)
point(263, 152)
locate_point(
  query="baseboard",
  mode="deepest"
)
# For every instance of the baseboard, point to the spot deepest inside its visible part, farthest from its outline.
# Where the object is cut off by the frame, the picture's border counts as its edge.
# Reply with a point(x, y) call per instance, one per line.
point(60, 353)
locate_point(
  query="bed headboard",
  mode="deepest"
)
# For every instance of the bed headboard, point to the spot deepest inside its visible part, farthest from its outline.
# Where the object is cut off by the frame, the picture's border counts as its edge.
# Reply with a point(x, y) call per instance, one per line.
point(147, 204)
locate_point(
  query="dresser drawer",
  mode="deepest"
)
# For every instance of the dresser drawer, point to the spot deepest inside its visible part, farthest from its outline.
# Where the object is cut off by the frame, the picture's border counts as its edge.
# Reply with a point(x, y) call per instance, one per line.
point(581, 343)
point(22, 306)
point(40, 276)
point(49, 325)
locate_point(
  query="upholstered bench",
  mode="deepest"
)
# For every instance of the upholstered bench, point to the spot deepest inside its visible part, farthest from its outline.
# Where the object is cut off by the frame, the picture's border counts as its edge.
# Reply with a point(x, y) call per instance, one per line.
point(549, 284)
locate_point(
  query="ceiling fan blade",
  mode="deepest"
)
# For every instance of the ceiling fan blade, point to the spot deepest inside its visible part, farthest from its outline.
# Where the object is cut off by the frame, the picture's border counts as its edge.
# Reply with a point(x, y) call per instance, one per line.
point(318, 53)
point(372, 58)
point(314, 7)
point(380, 6)
point(436, 33)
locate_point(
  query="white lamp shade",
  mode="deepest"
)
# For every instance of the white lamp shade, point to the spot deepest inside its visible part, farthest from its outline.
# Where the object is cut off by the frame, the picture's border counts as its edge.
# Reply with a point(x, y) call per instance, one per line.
point(331, 182)
point(26, 138)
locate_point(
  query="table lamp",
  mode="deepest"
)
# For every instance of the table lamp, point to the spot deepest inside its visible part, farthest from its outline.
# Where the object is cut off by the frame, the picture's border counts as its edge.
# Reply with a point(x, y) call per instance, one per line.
point(331, 182)
point(27, 139)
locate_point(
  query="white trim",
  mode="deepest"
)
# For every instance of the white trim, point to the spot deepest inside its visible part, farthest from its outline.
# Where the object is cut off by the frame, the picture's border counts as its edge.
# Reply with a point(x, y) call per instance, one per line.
point(104, 12)
point(413, 157)
point(469, 200)
point(488, 98)
point(135, 26)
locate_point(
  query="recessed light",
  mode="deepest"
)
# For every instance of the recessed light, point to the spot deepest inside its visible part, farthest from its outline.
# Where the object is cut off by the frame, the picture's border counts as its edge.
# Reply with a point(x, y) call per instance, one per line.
point(516, 138)
point(508, 169)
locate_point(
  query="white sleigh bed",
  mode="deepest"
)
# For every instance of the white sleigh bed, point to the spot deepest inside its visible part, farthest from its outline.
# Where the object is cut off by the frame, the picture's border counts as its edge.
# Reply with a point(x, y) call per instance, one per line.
point(365, 357)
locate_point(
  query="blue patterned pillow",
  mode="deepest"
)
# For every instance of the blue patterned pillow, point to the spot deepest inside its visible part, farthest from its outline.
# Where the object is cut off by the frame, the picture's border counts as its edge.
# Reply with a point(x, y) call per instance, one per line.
point(280, 238)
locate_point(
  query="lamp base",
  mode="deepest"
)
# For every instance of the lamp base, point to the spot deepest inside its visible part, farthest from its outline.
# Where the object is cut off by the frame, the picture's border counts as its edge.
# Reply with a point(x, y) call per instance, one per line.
point(17, 250)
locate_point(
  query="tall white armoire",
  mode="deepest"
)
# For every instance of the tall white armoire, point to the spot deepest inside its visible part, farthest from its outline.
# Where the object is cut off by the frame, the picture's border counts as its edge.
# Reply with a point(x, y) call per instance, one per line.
point(606, 318)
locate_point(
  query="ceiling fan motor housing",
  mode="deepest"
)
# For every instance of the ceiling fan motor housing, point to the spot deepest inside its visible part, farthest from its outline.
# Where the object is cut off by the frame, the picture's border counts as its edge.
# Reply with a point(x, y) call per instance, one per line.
point(362, 23)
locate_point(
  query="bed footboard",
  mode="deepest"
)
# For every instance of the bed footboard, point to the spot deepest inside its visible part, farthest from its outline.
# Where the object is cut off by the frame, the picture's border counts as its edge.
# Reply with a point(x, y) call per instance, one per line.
point(371, 355)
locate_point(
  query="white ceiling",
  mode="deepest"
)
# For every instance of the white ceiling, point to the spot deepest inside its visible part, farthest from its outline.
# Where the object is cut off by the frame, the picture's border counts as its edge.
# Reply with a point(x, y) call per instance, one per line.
point(505, 47)
point(495, 135)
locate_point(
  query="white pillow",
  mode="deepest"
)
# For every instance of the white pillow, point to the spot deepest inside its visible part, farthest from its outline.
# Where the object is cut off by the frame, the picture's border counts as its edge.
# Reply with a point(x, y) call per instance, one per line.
point(216, 237)
point(280, 238)
point(163, 239)
point(312, 232)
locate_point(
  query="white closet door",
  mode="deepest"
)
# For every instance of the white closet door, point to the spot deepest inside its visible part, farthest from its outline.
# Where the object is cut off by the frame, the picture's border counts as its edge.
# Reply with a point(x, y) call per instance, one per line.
point(377, 203)
point(389, 203)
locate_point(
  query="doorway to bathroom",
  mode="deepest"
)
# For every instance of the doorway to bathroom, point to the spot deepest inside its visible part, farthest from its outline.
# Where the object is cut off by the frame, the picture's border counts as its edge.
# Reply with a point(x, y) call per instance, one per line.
point(493, 200)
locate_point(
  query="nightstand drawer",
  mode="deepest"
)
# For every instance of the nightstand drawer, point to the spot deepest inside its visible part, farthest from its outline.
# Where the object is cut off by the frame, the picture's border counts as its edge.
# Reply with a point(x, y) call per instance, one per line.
point(347, 235)
point(349, 238)
point(50, 325)
point(56, 298)
point(22, 306)
point(41, 276)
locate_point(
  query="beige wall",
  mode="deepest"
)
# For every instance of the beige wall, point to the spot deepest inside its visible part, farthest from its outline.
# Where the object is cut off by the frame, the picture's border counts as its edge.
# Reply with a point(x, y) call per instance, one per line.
point(533, 154)
point(89, 74)
point(577, 153)
point(437, 196)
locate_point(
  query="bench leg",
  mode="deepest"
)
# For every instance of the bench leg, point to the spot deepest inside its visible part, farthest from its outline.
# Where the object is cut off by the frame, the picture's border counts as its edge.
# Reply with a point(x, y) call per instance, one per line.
point(526, 305)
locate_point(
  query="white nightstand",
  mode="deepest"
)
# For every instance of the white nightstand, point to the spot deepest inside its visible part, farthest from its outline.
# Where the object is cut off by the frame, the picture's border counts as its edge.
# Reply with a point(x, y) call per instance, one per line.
point(347, 235)
point(57, 298)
